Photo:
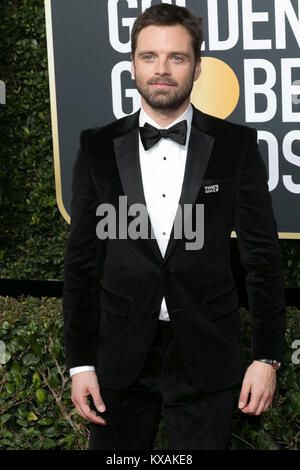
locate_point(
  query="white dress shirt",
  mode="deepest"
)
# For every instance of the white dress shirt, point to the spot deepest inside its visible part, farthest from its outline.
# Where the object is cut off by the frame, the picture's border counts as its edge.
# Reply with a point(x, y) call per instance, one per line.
point(162, 169)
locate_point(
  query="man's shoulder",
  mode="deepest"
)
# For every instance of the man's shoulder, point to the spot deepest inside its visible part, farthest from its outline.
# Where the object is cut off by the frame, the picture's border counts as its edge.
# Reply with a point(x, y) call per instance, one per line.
point(109, 131)
point(218, 125)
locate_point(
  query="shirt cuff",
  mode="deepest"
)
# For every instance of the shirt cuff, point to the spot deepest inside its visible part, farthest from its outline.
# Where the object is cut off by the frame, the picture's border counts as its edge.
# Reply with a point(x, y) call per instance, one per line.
point(76, 370)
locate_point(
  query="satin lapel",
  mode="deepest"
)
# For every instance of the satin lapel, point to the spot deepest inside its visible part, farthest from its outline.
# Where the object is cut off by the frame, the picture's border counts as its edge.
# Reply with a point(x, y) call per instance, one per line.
point(128, 163)
point(199, 152)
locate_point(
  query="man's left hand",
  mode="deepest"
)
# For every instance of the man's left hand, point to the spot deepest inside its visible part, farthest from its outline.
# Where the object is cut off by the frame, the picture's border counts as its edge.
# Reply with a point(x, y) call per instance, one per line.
point(260, 383)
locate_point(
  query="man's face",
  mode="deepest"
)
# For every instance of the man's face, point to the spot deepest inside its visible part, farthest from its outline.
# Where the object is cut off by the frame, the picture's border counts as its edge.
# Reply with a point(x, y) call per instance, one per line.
point(164, 66)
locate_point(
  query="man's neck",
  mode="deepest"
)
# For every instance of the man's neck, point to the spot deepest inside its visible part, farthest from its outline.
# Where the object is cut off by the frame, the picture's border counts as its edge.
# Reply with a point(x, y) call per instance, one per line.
point(164, 118)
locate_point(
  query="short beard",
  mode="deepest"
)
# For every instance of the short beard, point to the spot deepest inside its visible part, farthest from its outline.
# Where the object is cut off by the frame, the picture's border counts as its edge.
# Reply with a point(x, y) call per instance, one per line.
point(169, 103)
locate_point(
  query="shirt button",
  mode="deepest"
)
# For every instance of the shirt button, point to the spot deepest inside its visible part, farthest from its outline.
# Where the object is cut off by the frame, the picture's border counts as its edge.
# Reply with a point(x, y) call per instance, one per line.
point(164, 195)
point(165, 158)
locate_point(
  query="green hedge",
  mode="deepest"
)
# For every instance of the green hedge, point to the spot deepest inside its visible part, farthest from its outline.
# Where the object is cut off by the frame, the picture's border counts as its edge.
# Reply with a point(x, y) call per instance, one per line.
point(36, 411)
point(32, 231)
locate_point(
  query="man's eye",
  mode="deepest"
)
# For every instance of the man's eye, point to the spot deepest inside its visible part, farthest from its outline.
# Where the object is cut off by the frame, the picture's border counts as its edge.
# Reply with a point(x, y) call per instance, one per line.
point(148, 57)
point(177, 58)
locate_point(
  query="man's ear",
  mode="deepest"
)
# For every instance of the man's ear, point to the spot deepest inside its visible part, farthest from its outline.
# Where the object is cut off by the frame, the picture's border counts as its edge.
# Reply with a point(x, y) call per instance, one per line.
point(197, 70)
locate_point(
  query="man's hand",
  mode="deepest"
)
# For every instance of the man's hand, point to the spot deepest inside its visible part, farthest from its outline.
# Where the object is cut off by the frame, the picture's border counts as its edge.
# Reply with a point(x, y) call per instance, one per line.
point(260, 382)
point(84, 384)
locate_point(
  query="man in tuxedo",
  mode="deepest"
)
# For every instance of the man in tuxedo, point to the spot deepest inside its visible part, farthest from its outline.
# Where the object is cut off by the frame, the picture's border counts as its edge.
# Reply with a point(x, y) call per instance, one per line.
point(152, 324)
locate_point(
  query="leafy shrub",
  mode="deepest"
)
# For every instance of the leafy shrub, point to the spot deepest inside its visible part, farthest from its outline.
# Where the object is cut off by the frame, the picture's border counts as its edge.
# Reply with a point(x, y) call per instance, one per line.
point(35, 407)
point(36, 411)
point(32, 231)
point(278, 428)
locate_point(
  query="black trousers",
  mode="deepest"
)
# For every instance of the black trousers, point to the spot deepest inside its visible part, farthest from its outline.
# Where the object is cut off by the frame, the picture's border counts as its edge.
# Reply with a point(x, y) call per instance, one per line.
point(193, 420)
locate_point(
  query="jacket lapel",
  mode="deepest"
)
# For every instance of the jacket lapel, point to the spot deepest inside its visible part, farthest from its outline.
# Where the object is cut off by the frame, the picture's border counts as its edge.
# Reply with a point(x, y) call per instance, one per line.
point(126, 148)
point(199, 152)
point(128, 163)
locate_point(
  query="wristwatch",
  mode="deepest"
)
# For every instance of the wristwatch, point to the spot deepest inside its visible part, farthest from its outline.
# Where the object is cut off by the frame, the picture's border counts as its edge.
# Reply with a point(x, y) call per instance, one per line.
point(272, 362)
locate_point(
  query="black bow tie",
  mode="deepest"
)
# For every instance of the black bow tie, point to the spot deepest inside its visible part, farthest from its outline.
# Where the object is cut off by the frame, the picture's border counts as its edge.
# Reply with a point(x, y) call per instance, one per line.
point(151, 135)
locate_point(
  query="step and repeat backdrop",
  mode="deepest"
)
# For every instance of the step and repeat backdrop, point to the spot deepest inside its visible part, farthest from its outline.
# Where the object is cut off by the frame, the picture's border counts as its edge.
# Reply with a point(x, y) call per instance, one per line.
point(250, 75)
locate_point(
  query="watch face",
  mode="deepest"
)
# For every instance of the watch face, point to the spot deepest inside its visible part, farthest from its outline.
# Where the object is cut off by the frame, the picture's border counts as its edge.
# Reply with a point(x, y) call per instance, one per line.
point(276, 365)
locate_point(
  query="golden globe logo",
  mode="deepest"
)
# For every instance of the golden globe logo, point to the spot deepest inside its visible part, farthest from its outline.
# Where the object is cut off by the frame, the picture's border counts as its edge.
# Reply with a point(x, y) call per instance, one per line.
point(215, 96)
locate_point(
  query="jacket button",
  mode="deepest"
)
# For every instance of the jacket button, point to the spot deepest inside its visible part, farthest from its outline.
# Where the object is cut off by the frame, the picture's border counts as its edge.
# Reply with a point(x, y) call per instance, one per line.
point(168, 271)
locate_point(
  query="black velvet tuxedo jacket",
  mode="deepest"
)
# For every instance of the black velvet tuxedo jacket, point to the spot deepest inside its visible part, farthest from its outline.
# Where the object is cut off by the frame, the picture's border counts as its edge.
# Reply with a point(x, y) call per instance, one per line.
point(113, 288)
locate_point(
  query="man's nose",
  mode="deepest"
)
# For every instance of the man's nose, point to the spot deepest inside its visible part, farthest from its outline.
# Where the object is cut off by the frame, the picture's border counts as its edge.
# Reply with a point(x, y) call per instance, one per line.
point(162, 66)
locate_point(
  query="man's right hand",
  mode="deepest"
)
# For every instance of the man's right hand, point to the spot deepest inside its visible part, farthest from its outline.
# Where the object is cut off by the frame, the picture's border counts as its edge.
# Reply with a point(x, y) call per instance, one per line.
point(83, 385)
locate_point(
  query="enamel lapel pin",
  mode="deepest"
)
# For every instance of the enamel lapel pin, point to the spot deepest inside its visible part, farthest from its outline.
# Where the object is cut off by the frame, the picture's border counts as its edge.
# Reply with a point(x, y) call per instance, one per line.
point(214, 188)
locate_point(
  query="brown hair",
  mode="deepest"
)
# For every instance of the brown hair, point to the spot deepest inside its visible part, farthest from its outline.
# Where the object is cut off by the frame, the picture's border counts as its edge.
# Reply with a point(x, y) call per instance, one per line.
point(169, 15)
